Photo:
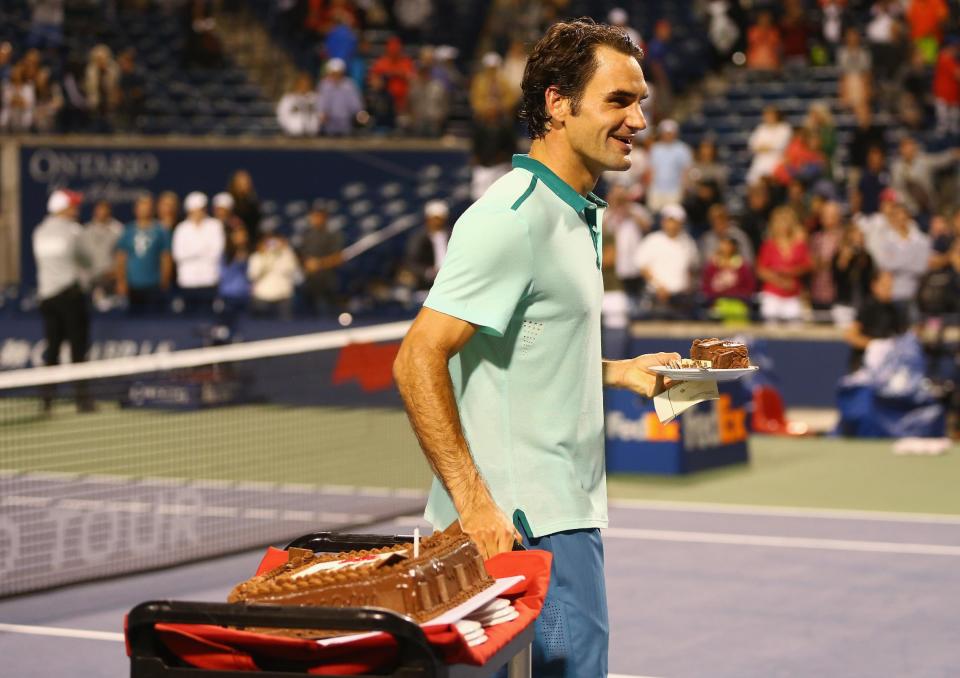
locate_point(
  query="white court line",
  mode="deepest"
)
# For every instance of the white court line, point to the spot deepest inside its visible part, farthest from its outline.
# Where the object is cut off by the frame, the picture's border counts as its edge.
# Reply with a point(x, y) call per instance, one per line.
point(252, 485)
point(61, 632)
point(785, 511)
point(624, 675)
point(782, 542)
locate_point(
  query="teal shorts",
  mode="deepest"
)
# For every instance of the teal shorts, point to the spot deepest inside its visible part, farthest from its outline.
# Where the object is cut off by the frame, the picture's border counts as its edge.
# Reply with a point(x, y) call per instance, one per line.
point(572, 631)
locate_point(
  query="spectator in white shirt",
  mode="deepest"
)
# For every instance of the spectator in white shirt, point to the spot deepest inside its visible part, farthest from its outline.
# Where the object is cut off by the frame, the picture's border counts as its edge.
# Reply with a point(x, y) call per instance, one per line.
point(273, 271)
point(767, 143)
point(668, 260)
point(198, 244)
point(299, 111)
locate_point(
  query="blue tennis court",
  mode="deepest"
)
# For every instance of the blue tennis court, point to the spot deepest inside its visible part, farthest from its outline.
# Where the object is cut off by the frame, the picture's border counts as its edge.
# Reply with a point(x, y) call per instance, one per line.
point(694, 590)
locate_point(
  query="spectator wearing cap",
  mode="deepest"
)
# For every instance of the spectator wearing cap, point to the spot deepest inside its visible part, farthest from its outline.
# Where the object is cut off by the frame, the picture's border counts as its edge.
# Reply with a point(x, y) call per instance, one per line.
point(339, 100)
point(99, 240)
point(618, 17)
point(491, 95)
point(668, 260)
point(320, 256)
point(144, 266)
point(670, 163)
point(426, 248)
point(198, 244)
point(223, 211)
point(273, 271)
point(783, 262)
point(298, 112)
point(61, 264)
point(396, 69)
point(897, 245)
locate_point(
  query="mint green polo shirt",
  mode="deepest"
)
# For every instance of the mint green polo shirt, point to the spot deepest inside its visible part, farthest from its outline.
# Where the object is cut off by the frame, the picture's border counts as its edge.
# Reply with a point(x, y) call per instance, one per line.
point(523, 264)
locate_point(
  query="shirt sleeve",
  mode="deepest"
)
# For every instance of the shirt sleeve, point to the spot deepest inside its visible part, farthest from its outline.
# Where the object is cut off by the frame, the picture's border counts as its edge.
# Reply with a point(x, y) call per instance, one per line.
point(487, 271)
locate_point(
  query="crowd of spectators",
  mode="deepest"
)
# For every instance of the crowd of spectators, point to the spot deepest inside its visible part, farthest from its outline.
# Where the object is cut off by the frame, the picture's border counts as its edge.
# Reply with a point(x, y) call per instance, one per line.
point(189, 259)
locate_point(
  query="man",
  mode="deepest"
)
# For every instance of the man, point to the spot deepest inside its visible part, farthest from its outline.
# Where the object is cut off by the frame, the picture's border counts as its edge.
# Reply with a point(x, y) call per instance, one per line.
point(668, 260)
point(58, 251)
point(320, 254)
point(339, 100)
point(501, 372)
point(198, 244)
point(143, 261)
point(426, 249)
point(670, 163)
point(98, 240)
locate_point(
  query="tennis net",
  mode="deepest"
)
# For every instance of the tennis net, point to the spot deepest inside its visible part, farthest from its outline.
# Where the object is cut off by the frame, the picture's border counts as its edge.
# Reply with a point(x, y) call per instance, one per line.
point(115, 466)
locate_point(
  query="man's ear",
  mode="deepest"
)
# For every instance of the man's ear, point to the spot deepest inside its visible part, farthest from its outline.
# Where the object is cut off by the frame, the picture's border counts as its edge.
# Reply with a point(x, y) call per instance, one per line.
point(557, 105)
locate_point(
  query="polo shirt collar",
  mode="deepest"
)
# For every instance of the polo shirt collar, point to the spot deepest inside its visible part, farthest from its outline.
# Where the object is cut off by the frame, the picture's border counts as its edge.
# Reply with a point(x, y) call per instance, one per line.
point(563, 190)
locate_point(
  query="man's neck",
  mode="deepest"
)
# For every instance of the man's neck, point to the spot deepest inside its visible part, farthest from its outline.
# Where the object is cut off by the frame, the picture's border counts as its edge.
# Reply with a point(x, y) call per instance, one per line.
point(563, 162)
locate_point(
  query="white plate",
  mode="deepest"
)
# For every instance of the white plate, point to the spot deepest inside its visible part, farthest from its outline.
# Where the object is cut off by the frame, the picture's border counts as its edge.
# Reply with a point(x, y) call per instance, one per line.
point(703, 373)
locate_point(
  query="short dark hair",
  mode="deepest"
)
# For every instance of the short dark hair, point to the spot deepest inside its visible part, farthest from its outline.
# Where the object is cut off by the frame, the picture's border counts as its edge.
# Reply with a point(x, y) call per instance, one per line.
point(565, 58)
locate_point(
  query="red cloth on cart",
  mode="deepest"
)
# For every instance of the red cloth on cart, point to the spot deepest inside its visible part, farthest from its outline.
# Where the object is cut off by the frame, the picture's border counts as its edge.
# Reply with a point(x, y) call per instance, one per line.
point(216, 647)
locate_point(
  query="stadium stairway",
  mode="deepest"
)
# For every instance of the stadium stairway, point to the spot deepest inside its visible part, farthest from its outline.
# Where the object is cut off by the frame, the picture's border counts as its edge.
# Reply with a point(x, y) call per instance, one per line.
point(250, 45)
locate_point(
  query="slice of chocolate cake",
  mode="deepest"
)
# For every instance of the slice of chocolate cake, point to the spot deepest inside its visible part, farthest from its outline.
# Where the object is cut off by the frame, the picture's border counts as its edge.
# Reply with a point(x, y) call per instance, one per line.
point(721, 354)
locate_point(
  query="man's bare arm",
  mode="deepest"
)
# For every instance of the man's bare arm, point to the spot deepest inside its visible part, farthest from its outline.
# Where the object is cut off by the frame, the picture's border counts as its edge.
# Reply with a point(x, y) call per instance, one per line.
point(420, 371)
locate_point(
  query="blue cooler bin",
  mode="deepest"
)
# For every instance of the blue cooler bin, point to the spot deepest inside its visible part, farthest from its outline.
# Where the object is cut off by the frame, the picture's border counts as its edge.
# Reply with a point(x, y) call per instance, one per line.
point(710, 434)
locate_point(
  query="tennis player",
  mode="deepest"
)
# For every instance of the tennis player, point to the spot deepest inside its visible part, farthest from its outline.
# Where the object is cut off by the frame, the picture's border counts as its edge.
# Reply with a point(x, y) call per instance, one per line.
point(501, 372)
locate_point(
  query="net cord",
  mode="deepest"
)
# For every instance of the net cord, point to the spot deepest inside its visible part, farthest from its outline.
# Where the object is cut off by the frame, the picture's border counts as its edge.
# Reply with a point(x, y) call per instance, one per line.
point(196, 357)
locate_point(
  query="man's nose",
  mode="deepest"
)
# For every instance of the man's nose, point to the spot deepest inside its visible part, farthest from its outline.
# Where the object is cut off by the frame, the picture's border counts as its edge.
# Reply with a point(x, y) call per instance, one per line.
point(636, 120)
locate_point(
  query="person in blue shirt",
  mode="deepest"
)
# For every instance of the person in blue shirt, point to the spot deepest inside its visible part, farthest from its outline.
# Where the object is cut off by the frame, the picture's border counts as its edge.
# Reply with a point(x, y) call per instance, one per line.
point(144, 264)
point(234, 289)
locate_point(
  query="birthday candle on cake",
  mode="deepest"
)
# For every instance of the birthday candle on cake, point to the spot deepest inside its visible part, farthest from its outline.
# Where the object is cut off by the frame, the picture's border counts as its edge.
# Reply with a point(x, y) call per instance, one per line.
point(416, 542)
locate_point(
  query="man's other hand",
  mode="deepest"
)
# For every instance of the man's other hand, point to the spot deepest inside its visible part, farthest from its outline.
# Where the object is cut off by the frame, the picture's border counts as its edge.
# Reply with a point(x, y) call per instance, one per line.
point(635, 373)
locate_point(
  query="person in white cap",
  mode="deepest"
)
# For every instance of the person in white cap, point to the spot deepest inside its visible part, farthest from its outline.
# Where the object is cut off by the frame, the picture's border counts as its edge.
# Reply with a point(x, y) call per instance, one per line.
point(670, 163)
point(668, 259)
point(618, 17)
point(340, 100)
point(490, 92)
point(426, 248)
point(198, 244)
point(223, 204)
point(61, 264)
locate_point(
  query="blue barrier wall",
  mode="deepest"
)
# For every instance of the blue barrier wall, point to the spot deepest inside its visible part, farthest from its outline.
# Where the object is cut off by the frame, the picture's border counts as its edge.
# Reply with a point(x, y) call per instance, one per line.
point(281, 175)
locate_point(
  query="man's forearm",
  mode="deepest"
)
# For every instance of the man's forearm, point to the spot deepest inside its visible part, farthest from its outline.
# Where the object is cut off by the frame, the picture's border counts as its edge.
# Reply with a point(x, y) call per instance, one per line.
point(427, 392)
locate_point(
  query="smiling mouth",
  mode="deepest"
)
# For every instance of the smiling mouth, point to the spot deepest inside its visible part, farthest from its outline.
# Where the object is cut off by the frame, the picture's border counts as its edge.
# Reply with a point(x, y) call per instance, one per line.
point(627, 140)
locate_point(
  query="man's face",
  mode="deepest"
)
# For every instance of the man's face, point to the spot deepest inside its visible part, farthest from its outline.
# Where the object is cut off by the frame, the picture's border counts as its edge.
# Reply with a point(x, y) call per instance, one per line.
point(143, 210)
point(601, 133)
point(672, 227)
point(222, 213)
point(101, 212)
